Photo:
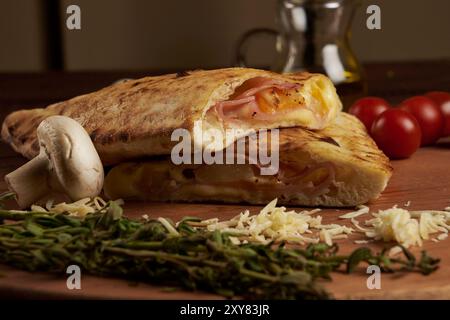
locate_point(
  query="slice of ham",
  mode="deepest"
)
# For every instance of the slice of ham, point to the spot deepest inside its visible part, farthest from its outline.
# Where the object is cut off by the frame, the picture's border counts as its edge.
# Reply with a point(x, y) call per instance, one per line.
point(245, 102)
point(259, 84)
point(232, 105)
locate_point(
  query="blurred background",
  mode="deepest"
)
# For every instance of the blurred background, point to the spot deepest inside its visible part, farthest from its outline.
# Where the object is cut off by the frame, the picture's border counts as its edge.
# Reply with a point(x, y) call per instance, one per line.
point(170, 35)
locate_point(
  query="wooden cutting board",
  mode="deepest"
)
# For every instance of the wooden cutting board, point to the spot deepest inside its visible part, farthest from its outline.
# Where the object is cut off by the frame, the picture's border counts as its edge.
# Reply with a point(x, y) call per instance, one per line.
point(423, 180)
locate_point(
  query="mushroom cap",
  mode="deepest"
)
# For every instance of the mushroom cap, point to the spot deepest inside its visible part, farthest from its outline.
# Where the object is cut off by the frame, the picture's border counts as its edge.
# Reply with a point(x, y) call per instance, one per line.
point(73, 158)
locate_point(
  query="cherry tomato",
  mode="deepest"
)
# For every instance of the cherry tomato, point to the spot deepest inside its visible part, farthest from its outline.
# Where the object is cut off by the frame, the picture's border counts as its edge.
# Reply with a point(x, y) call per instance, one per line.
point(442, 99)
point(397, 133)
point(428, 115)
point(367, 109)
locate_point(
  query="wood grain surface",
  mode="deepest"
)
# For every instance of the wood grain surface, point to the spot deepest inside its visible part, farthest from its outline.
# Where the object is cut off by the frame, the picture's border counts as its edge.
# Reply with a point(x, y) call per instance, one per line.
point(424, 180)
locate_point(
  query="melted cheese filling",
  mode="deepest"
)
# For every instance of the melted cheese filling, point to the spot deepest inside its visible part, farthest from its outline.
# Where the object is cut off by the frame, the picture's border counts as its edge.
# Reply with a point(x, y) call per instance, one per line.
point(310, 104)
point(165, 178)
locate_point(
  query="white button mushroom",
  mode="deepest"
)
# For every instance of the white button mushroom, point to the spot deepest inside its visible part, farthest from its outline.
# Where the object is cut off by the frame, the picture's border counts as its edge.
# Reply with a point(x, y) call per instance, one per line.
point(67, 163)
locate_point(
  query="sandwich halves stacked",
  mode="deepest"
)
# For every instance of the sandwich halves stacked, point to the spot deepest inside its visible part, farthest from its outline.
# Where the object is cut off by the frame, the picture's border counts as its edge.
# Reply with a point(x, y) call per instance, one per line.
point(325, 156)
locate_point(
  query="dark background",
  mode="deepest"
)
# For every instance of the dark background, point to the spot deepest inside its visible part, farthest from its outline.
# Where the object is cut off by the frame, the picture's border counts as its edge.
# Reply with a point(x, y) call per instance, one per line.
point(184, 34)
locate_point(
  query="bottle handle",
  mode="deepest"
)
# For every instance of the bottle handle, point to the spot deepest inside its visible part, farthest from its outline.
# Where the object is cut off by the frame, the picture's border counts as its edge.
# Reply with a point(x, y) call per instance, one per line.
point(243, 44)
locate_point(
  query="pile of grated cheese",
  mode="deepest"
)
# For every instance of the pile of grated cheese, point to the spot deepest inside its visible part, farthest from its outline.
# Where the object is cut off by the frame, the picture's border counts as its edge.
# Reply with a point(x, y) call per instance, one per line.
point(395, 224)
point(272, 223)
point(78, 208)
point(407, 228)
point(277, 224)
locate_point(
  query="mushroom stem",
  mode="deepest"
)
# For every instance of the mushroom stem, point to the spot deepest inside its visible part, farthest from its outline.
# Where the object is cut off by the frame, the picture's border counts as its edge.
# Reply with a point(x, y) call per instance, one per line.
point(30, 182)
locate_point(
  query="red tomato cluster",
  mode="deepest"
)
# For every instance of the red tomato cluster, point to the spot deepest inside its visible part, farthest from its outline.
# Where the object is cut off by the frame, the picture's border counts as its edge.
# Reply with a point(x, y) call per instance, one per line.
point(399, 132)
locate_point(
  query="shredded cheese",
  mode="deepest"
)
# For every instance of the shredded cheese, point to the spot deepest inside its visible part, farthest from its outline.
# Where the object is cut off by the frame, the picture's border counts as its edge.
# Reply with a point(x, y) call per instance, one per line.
point(408, 228)
point(394, 251)
point(395, 224)
point(169, 227)
point(362, 210)
point(358, 227)
point(272, 223)
point(278, 224)
point(442, 236)
point(78, 208)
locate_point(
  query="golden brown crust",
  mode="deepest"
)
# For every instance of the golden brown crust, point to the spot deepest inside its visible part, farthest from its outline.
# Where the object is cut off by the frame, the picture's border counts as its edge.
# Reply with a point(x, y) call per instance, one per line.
point(345, 140)
point(135, 118)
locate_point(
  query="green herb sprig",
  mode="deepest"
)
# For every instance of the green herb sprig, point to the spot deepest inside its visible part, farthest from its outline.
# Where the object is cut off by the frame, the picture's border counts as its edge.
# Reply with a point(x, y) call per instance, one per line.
point(106, 243)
